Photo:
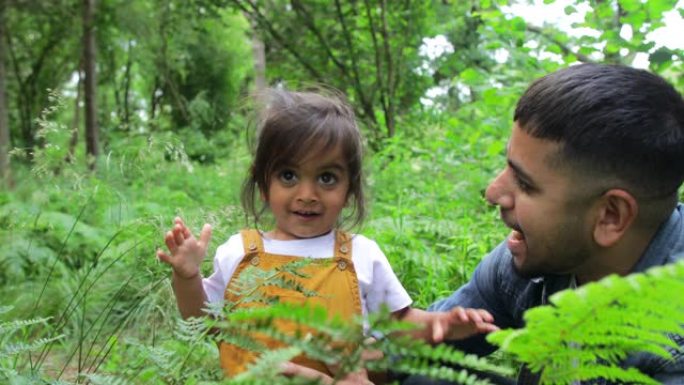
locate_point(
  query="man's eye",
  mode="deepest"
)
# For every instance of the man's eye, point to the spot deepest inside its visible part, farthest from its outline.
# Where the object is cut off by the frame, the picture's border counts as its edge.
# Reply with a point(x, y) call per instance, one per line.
point(523, 185)
point(327, 179)
point(287, 177)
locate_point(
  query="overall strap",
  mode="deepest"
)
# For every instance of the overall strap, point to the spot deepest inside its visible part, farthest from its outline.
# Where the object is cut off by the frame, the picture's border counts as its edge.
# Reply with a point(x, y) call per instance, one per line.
point(343, 245)
point(251, 241)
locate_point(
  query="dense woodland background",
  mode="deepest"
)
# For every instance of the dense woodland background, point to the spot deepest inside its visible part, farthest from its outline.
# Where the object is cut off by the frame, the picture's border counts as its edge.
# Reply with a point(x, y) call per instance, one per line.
point(116, 116)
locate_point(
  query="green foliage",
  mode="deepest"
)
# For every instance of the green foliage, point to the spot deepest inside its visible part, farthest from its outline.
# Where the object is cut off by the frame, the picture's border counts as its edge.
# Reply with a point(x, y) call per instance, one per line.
point(77, 247)
point(14, 341)
point(369, 50)
point(342, 343)
point(587, 332)
point(42, 41)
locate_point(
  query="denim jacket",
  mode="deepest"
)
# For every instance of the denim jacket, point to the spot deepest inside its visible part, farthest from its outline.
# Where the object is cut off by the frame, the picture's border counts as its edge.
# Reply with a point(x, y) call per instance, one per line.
point(496, 287)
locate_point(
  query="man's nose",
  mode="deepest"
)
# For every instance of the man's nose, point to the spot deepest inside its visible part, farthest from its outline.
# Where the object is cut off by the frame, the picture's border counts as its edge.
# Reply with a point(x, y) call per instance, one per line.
point(499, 191)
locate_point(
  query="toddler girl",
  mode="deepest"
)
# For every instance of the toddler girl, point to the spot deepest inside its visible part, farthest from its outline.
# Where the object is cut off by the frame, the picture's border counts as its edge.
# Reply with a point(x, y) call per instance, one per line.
point(306, 170)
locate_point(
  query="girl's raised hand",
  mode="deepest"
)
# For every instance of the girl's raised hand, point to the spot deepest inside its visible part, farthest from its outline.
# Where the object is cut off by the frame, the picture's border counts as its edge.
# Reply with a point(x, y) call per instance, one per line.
point(186, 252)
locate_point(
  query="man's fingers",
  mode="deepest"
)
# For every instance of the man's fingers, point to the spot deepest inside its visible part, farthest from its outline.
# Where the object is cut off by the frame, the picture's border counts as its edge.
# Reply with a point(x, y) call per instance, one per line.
point(290, 369)
point(205, 235)
point(372, 355)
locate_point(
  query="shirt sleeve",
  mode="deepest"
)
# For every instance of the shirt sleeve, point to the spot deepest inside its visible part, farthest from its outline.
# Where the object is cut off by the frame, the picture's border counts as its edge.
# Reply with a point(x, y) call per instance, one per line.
point(227, 257)
point(385, 287)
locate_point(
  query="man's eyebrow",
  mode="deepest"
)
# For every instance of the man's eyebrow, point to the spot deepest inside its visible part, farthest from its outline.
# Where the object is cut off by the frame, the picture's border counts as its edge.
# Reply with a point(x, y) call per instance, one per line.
point(519, 172)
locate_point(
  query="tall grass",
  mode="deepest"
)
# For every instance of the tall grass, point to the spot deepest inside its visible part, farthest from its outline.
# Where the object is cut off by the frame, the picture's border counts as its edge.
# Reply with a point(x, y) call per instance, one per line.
point(78, 248)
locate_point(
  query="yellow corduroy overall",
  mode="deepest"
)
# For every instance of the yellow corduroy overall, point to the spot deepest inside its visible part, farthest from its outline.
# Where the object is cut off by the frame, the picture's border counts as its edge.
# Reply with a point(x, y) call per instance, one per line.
point(333, 279)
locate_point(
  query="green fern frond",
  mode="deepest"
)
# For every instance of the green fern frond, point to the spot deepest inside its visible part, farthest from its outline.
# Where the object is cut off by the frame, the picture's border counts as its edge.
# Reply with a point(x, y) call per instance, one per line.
point(588, 331)
point(589, 372)
point(427, 368)
point(165, 360)
point(246, 284)
point(331, 339)
point(100, 379)
point(10, 327)
point(290, 284)
point(11, 349)
point(417, 351)
point(268, 365)
point(241, 338)
point(295, 267)
point(191, 329)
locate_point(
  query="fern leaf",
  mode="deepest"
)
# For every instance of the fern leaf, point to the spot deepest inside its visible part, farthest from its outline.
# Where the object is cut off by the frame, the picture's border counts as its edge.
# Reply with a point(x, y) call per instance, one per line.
point(11, 349)
point(586, 332)
point(268, 365)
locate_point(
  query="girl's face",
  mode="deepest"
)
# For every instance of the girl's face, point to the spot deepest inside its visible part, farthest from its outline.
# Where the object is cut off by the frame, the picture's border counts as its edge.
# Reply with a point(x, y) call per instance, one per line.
point(306, 198)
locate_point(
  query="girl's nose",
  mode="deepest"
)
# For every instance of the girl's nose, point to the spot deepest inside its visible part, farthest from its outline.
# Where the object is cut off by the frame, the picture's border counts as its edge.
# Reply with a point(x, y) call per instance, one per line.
point(307, 192)
point(499, 192)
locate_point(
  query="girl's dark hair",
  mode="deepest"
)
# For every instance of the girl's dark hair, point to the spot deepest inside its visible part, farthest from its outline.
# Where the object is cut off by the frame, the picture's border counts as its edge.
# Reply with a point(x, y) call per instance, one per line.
point(611, 121)
point(295, 125)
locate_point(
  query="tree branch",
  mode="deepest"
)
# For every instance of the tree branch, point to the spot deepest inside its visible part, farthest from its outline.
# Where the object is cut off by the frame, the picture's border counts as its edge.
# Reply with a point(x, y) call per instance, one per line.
point(356, 78)
point(564, 48)
point(264, 24)
point(306, 17)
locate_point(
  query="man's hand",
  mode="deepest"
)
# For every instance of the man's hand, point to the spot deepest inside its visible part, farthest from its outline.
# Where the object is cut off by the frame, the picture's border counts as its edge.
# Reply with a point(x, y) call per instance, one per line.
point(186, 253)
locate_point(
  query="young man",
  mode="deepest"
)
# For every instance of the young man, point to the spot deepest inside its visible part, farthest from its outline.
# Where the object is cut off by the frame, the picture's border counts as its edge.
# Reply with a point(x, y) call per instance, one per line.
point(594, 163)
point(595, 160)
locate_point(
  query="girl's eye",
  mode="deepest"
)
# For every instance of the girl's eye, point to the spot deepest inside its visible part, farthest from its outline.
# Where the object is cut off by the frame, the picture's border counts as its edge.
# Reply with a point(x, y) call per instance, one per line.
point(288, 177)
point(327, 179)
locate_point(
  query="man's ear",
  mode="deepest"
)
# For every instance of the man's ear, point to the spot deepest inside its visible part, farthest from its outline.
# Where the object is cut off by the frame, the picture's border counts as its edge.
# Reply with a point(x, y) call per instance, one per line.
point(617, 211)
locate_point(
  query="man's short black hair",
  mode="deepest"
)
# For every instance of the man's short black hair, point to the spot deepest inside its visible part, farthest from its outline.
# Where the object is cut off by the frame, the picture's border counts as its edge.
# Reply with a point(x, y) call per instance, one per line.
point(612, 121)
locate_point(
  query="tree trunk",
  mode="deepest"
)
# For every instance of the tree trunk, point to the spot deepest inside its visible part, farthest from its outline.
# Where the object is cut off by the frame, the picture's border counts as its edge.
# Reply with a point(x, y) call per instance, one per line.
point(73, 141)
point(5, 175)
point(91, 128)
point(259, 56)
point(127, 88)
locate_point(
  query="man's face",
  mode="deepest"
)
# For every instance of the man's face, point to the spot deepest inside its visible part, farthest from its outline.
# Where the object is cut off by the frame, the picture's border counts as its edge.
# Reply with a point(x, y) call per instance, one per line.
point(552, 229)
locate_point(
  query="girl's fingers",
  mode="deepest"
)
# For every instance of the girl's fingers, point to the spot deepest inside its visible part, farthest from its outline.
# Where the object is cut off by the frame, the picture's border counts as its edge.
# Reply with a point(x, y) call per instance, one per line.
point(178, 222)
point(290, 369)
point(474, 316)
point(170, 241)
point(162, 256)
point(460, 314)
point(437, 331)
point(486, 316)
point(487, 328)
point(205, 235)
point(178, 234)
